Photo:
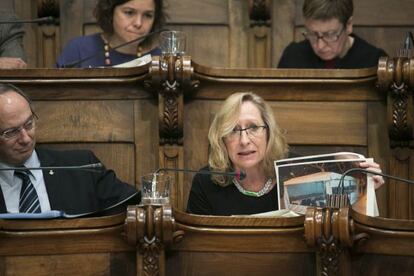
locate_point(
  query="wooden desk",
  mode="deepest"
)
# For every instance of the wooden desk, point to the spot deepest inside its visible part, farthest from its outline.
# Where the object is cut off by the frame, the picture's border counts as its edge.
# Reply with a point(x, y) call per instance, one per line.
point(154, 116)
point(88, 246)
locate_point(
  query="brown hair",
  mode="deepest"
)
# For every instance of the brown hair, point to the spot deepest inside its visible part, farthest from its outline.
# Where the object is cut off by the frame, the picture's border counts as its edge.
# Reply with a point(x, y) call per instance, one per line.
point(328, 9)
point(104, 12)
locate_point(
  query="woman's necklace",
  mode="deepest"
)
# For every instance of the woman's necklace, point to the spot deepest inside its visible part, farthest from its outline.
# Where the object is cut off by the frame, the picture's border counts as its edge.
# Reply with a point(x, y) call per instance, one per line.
point(266, 188)
point(107, 48)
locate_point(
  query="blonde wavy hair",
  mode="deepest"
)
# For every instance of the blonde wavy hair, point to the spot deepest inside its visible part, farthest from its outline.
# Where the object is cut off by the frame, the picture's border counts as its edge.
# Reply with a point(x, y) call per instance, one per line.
point(224, 122)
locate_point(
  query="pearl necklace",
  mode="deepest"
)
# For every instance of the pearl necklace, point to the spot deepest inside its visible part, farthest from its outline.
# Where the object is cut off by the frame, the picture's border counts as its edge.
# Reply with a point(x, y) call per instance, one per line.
point(107, 48)
point(266, 188)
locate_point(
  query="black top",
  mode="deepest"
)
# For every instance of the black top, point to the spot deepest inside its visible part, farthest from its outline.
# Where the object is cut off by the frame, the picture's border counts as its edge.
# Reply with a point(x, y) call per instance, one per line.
point(360, 55)
point(208, 198)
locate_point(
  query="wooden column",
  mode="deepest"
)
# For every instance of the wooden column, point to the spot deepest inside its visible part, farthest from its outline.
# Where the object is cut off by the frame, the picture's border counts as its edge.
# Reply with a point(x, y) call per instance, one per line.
point(170, 78)
point(396, 78)
point(48, 35)
point(331, 231)
point(260, 33)
point(151, 229)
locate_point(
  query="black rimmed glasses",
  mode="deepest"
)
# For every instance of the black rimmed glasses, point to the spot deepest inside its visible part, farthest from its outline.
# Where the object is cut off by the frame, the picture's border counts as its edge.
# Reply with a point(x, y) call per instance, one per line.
point(14, 132)
point(252, 131)
point(328, 37)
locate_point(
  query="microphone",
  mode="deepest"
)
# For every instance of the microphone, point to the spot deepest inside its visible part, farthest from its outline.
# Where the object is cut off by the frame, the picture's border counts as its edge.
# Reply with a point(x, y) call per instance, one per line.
point(94, 167)
point(46, 20)
point(239, 175)
point(77, 62)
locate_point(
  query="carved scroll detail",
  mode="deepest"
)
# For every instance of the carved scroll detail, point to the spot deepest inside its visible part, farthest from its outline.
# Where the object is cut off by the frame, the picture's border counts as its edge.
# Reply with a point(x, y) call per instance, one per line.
point(48, 8)
point(331, 230)
point(396, 77)
point(259, 12)
point(170, 78)
point(151, 229)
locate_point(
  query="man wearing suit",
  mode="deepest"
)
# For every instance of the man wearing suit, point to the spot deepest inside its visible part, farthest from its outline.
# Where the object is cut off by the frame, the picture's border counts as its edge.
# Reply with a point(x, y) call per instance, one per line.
point(71, 191)
point(11, 42)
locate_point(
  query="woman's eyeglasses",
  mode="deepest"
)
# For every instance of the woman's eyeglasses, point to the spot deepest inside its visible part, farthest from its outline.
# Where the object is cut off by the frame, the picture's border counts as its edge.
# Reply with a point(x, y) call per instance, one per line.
point(328, 37)
point(252, 131)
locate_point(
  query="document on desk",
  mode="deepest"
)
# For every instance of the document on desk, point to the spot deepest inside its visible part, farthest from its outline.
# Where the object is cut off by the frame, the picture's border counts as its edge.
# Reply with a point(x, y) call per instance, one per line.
point(61, 214)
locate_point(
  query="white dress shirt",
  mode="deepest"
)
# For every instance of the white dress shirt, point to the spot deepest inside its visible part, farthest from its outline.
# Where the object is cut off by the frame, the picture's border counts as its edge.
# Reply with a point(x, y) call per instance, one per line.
point(11, 185)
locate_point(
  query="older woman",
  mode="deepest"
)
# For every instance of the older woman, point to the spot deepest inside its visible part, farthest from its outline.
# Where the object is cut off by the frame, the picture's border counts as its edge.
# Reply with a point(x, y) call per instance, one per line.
point(122, 21)
point(243, 136)
point(329, 40)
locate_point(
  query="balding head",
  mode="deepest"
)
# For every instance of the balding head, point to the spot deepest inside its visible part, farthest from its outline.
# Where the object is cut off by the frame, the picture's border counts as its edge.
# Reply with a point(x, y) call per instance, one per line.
point(17, 117)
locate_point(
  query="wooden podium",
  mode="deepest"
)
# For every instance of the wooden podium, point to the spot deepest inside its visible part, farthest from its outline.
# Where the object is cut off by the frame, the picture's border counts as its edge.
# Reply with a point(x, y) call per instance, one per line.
point(140, 119)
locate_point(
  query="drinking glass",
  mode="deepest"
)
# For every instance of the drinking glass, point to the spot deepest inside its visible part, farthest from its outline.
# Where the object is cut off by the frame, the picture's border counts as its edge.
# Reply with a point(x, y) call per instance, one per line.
point(155, 189)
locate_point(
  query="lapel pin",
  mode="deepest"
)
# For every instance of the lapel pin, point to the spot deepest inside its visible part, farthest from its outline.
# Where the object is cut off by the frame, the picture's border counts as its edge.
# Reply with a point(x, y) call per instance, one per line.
point(51, 172)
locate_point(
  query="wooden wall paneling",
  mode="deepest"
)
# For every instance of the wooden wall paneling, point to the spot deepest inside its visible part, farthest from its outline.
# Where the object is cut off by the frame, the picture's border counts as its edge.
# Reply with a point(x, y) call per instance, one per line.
point(206, 44)
point(283, 15)
point(71, 19)
point(216, 30)
point(146, 137)
point(28, 10)
point(48, 38)
point(198, 116)
point(411, 176)
point(259, 33)
point(206, 26)
point(378, 140)
point(86, 264)
point(399, 193)
point(389, 38)
point(238, 37)
point(320, 124)
point(221, 263)
point(109, 120)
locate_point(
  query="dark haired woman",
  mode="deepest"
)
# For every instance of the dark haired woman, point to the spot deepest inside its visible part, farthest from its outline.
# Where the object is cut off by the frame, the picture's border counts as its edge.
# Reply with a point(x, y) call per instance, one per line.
point(121, 21)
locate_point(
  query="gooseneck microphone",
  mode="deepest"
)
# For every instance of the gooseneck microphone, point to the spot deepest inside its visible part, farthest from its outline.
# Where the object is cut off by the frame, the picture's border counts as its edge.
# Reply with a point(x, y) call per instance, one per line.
point(367, 171)
point(48, 19)
point(239, 175)
point(94, 167)
point(79, 61)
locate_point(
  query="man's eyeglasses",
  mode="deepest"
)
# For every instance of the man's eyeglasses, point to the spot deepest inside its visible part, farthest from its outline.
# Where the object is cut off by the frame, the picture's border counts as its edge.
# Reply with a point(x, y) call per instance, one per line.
point(14, 132)
point(328, 37)
point(252, 131)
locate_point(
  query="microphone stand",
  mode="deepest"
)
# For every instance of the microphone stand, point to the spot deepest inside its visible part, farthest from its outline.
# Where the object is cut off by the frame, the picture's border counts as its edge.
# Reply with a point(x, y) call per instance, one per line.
point(48, 19)
point(240, 175)
point(95, 167)
point(77, 62)
point(341, 199)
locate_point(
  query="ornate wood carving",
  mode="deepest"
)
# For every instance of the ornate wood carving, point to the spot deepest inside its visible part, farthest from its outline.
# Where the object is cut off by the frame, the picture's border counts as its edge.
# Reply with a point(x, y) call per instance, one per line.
point(259, 34)
point(331, 230)
point(170, 77)
point(151, 229)
point(259, 12)
point(48, 36)
point(396, 77)
point(48, 8)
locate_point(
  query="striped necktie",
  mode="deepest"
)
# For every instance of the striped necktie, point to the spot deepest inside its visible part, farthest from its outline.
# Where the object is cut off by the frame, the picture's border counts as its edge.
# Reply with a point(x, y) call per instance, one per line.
point(29, 200)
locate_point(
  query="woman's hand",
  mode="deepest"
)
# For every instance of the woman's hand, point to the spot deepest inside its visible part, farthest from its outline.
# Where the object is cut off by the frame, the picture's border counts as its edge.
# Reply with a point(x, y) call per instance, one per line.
point(374, 167)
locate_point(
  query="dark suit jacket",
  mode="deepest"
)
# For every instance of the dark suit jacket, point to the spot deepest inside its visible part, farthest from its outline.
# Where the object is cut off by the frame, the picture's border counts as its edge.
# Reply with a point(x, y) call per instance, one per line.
point(77, 191)
point(11, 36)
